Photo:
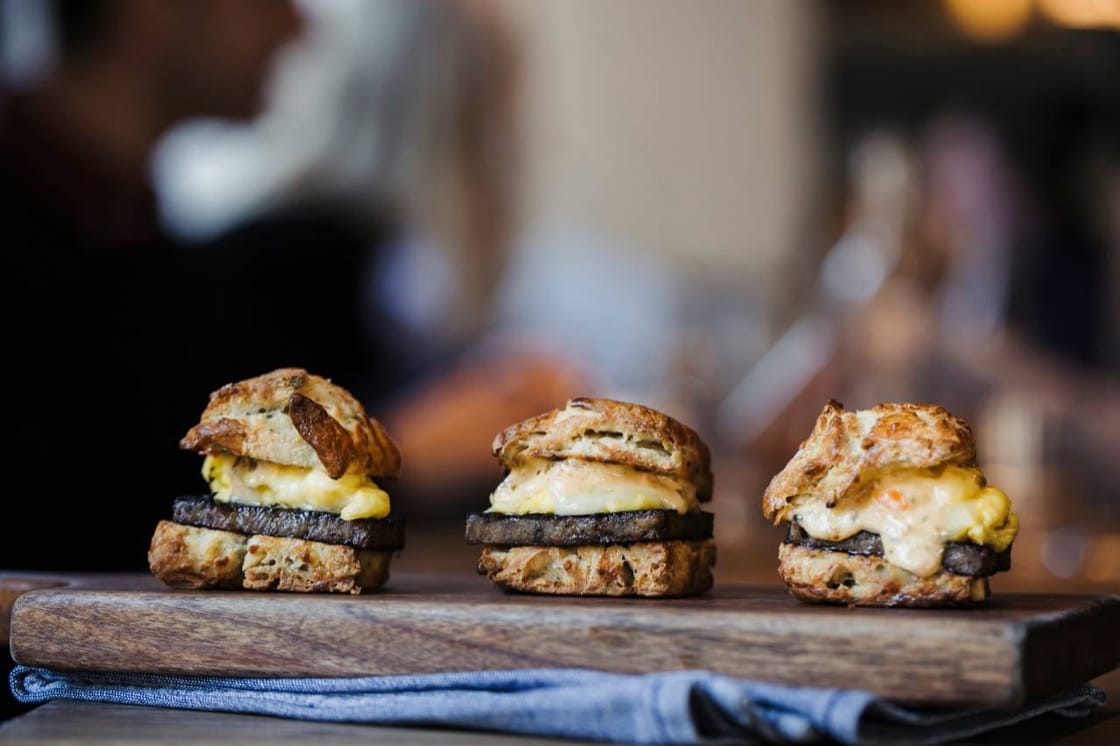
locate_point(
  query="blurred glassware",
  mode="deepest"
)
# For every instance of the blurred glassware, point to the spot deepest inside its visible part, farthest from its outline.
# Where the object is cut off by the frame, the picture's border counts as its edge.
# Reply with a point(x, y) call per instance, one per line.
point(1029, 445)
point(881, 178)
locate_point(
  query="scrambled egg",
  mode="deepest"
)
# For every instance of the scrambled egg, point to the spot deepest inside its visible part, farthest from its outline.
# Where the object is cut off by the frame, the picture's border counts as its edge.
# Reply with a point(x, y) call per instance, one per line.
point(916, 512)
point(577, 487)
point(247, 481)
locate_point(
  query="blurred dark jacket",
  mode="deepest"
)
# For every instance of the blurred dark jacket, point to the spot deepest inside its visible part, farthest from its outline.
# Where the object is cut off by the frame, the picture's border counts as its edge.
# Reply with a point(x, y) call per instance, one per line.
point(116, 336)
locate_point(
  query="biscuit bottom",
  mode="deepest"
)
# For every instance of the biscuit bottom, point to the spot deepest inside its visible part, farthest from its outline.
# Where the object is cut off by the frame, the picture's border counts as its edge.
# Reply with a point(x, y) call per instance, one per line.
point(191, 557)
point(655, 568)
point(822, 576)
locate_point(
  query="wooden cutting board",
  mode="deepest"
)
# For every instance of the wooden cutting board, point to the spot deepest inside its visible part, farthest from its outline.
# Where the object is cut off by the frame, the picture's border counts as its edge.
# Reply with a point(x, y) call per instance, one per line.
point(1015, 648)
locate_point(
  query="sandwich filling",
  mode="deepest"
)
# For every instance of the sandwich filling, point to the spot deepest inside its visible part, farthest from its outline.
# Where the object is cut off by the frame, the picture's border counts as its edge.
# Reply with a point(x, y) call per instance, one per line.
point(576, 530)
point(577, 487)
point(915, 512)
point(247, 481)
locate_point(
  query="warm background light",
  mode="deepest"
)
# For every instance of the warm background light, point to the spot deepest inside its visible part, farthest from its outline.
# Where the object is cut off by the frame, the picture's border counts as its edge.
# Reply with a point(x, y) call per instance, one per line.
point(1001, 20)
point(989, 20)
point(1082, 13)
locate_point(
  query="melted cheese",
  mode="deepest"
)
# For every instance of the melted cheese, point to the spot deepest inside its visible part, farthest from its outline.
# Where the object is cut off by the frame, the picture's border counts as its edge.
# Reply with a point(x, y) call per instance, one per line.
point(247, 481)
point(576, 487)
point(915, 512)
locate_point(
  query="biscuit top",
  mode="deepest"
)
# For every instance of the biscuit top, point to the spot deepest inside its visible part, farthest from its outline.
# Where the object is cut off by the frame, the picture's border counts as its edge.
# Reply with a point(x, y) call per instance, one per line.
point(294, 418)
point(846, 447)
point(610, 432)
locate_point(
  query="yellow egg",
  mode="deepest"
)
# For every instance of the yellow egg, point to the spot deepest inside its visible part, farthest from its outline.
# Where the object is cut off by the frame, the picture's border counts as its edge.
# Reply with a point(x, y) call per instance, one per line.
point(578, 487)
point(246, 481)
point(915, 512)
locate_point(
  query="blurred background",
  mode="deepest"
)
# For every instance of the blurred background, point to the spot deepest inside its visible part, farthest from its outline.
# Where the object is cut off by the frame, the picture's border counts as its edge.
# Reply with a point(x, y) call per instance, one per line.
point(468, 211)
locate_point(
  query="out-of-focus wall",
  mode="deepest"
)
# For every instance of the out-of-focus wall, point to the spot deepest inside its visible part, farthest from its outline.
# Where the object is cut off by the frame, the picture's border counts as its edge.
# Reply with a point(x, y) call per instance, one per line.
point(687, 130)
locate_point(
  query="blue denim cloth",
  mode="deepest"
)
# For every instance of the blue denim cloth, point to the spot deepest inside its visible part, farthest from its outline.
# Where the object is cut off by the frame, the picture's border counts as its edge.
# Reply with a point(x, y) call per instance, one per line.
point(674, 707)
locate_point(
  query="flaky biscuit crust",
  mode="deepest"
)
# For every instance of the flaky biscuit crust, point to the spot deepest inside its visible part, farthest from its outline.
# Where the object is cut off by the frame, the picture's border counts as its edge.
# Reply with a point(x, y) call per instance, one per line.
point(285, 564)
point(845, 447)
point(292, 417)
point(655, 568)
point(821, 576)
point(191, 557)
point(611, 432)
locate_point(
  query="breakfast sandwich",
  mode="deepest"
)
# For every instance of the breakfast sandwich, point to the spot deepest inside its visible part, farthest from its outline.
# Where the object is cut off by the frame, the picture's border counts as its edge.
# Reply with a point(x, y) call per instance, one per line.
point(291, 460)
point(600, 498)
point(887, 507)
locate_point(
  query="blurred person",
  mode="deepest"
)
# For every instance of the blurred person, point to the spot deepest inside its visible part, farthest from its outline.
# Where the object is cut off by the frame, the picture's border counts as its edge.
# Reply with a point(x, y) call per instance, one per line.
point(114, 333)
point(117, 332)
point(120, 329)
point(128, 329)
point(392, 133)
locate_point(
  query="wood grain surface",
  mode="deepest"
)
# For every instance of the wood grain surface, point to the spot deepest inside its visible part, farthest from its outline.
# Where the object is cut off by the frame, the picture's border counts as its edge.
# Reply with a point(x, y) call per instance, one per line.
point(1014, 648)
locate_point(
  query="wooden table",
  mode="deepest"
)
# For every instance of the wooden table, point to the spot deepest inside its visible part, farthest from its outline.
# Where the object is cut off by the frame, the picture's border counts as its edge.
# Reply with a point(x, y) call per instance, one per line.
point(83, 722)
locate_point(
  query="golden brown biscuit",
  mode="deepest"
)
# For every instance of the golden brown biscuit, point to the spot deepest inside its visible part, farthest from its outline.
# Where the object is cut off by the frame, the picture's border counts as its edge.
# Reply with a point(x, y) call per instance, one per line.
point(888, 507)
point(292, 417)
point(192, 557)
point(821, 576)
point(283, 564)
point(611, 432)
point(189, 557)
point(670, 568)
point(844, 447)
point(286, 418)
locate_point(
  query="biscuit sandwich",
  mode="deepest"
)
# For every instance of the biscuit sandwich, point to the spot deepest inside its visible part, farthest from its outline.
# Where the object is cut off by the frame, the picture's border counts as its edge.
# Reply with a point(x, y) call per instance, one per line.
point(291, 460)
point(600, 498)
point(887, 507)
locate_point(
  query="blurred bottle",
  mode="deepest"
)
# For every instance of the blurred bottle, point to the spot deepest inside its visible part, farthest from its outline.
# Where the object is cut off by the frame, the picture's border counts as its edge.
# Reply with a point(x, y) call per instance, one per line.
point(773, 406)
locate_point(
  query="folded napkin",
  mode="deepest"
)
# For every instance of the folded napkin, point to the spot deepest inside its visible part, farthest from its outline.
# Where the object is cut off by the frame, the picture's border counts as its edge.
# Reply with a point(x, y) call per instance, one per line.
point(674, 707)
